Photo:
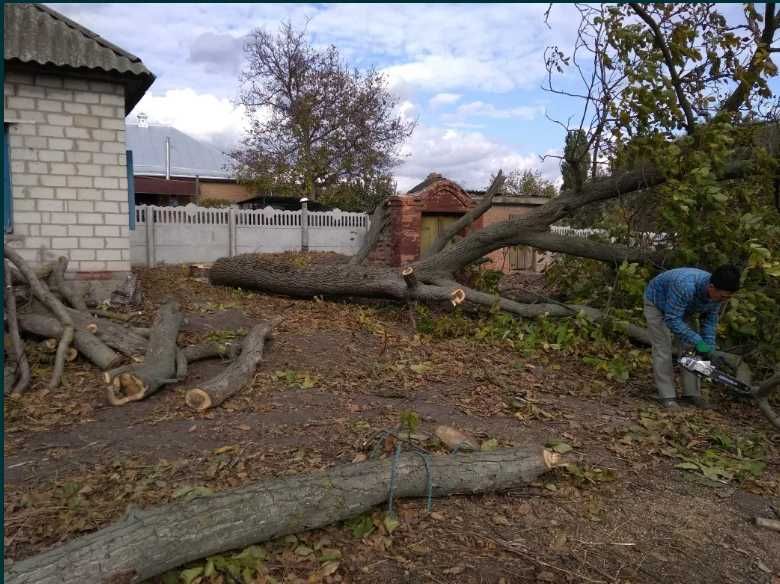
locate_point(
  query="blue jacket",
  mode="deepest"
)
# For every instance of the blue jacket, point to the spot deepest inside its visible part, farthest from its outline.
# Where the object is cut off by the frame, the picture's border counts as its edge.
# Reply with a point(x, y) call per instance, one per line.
point(679, 294)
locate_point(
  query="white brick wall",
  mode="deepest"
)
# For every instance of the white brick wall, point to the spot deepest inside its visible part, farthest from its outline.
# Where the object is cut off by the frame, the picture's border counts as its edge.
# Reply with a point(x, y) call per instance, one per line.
point(68, 171)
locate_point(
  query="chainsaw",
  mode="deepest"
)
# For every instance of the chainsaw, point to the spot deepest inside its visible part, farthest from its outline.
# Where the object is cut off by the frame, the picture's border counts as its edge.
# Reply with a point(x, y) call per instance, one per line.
point(708, 370)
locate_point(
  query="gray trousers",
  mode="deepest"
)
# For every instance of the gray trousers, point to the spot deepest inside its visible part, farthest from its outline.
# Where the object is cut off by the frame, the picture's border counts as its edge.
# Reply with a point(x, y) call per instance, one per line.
point(663, 358)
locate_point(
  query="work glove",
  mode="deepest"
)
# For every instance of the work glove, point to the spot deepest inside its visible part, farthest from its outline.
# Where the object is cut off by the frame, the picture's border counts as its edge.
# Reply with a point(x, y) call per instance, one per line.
point(704, 349)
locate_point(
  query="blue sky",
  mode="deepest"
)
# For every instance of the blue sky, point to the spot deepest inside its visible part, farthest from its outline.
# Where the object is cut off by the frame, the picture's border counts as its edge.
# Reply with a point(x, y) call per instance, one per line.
point(469, 73)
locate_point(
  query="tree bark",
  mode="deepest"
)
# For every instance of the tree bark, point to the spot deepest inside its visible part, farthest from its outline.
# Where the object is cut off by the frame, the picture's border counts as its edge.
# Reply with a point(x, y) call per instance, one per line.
point(44, 295)
point(151, 542)
point(764, 392)
point(57, 282)
point(468, 218)
point(159, 366)
point(22, 369)
point(379, 221)
point(237, 375)
point(87, 344)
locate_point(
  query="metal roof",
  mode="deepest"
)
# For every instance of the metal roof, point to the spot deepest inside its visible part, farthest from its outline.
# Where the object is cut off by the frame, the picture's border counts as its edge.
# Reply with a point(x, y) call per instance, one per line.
point(189, 157)
point(36, 34)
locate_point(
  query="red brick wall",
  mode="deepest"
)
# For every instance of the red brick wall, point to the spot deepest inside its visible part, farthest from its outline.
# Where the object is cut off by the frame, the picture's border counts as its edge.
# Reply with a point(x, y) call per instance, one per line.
point(399, 245)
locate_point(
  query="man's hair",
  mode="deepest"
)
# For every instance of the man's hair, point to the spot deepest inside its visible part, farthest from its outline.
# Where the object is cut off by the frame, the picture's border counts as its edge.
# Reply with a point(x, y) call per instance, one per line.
point(726, 278)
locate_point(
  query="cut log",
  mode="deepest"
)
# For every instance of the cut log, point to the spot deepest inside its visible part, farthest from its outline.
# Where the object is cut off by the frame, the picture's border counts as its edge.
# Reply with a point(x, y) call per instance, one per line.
point(210, 350)
point(16, 348)
point(58, 283)
point(147, 543)
point(116, 336)
point(91, 347)
point(159, 366)
point(44, 295)
point(238, 374)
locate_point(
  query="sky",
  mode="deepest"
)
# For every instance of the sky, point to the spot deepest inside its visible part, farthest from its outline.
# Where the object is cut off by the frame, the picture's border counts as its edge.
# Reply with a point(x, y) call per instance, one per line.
point(469, 74)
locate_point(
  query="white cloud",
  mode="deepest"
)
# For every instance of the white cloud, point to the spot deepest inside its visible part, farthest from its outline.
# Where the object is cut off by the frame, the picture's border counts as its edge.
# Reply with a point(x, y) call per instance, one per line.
point(201, 115)
point(441, 99)
point(488, 110)
point(467, 157)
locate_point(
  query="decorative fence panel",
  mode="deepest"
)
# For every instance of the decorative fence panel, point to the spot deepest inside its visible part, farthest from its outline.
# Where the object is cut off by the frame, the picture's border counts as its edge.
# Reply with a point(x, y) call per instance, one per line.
point(193, 234)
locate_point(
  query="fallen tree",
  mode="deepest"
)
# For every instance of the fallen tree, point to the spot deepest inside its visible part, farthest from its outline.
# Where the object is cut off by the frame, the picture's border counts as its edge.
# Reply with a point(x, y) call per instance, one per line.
point(147, 543)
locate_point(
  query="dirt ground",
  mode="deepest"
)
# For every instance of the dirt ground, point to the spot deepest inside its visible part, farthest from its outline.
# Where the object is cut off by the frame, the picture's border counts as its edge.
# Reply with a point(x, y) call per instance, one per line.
point(650, 496)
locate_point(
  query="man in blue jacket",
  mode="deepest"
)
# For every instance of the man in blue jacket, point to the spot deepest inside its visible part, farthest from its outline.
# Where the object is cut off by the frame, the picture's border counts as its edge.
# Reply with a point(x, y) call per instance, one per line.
point(673, 297)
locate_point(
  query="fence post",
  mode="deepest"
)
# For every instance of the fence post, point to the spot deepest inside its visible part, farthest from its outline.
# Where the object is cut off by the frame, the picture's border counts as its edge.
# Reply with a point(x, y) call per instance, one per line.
point(304, 224)
point(150, 239)
point(231, 232)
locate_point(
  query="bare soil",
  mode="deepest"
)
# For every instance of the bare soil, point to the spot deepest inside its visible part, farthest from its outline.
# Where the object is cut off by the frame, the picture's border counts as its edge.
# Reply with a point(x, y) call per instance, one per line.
point(337, 374)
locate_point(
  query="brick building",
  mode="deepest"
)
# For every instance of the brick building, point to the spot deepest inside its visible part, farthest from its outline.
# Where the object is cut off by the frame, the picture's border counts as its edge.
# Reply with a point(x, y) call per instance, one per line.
point(66, 94)
point(417, 218)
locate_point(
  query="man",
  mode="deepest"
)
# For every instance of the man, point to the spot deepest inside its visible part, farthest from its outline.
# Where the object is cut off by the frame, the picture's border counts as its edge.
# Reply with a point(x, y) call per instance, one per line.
point(670, 299)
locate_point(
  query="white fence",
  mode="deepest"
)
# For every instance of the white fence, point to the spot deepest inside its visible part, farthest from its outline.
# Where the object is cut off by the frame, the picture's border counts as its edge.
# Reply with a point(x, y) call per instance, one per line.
point(644, 239)
point(192, 234)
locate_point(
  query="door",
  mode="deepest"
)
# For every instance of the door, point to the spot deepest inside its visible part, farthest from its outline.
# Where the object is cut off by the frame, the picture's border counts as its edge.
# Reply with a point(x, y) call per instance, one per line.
point(432, 225)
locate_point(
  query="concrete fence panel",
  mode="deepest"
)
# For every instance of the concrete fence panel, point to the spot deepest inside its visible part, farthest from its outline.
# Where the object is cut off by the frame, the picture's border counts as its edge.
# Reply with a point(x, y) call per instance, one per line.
point(192, 234)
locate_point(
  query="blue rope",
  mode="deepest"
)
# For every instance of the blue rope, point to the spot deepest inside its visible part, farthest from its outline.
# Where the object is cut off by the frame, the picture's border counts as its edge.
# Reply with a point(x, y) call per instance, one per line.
point(422, 453)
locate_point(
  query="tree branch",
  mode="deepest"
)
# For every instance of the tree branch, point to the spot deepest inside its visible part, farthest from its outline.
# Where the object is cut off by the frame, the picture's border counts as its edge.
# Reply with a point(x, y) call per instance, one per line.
point(740, 94)
point(468, 218)
point(690, 121)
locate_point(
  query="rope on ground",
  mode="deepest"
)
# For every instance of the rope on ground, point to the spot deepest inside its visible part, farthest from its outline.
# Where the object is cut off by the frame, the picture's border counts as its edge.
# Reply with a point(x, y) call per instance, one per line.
point(413, 448)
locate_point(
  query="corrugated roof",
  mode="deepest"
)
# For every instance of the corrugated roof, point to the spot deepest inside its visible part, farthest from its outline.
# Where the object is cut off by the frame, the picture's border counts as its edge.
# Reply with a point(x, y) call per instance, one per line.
point(189, 157)
point(36, 34)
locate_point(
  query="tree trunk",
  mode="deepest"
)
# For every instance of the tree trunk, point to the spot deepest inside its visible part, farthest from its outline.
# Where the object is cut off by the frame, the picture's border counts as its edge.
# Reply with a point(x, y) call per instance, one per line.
point(66, 289)
point(16, 348)
point(86, 343)
point(151, 542)
point(159, 366)
point(44, 295)
point(213, 392)
point(379, 221)
point(116, 336)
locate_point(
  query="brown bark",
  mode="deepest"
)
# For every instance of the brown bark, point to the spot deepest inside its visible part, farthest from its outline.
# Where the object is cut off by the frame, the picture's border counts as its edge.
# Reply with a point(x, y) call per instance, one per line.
point(210, 350)
point(150, 542)
point(159, 366)
point(44, 295)
point(22, 369)
point(238, 374)
point(87, 344)
point(379, 220)
point(763, 394)
point(58, 283)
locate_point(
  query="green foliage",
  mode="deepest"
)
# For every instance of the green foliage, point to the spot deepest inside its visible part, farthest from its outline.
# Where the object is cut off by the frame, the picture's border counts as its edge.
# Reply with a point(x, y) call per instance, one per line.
point(576, 160)
point(703, 449)
point(410, 421)
point(528, 183)
point(299, 379)
point(600, 345)
point(212, 202)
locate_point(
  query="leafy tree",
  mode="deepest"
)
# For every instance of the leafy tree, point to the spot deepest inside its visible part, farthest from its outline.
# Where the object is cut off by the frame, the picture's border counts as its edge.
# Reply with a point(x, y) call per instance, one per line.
point(676, 87)
point(316, 124)
point(528, 183)
point(575, 166)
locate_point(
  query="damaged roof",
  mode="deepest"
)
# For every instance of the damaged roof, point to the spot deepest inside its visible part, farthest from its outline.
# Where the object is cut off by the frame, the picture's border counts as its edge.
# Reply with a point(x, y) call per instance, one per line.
point(36, 34)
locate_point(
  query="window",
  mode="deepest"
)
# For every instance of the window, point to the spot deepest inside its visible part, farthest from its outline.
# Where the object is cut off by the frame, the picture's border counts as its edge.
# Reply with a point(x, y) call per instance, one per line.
point(7, 198)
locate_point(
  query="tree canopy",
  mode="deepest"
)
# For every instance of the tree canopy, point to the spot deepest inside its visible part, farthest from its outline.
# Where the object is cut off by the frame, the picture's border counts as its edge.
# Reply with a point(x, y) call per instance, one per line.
point(316, 126)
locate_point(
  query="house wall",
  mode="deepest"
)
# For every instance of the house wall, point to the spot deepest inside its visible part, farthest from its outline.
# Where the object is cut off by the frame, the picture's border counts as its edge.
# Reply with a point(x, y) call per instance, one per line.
point(499, 259)
point(227, 191)
point(68, 172)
